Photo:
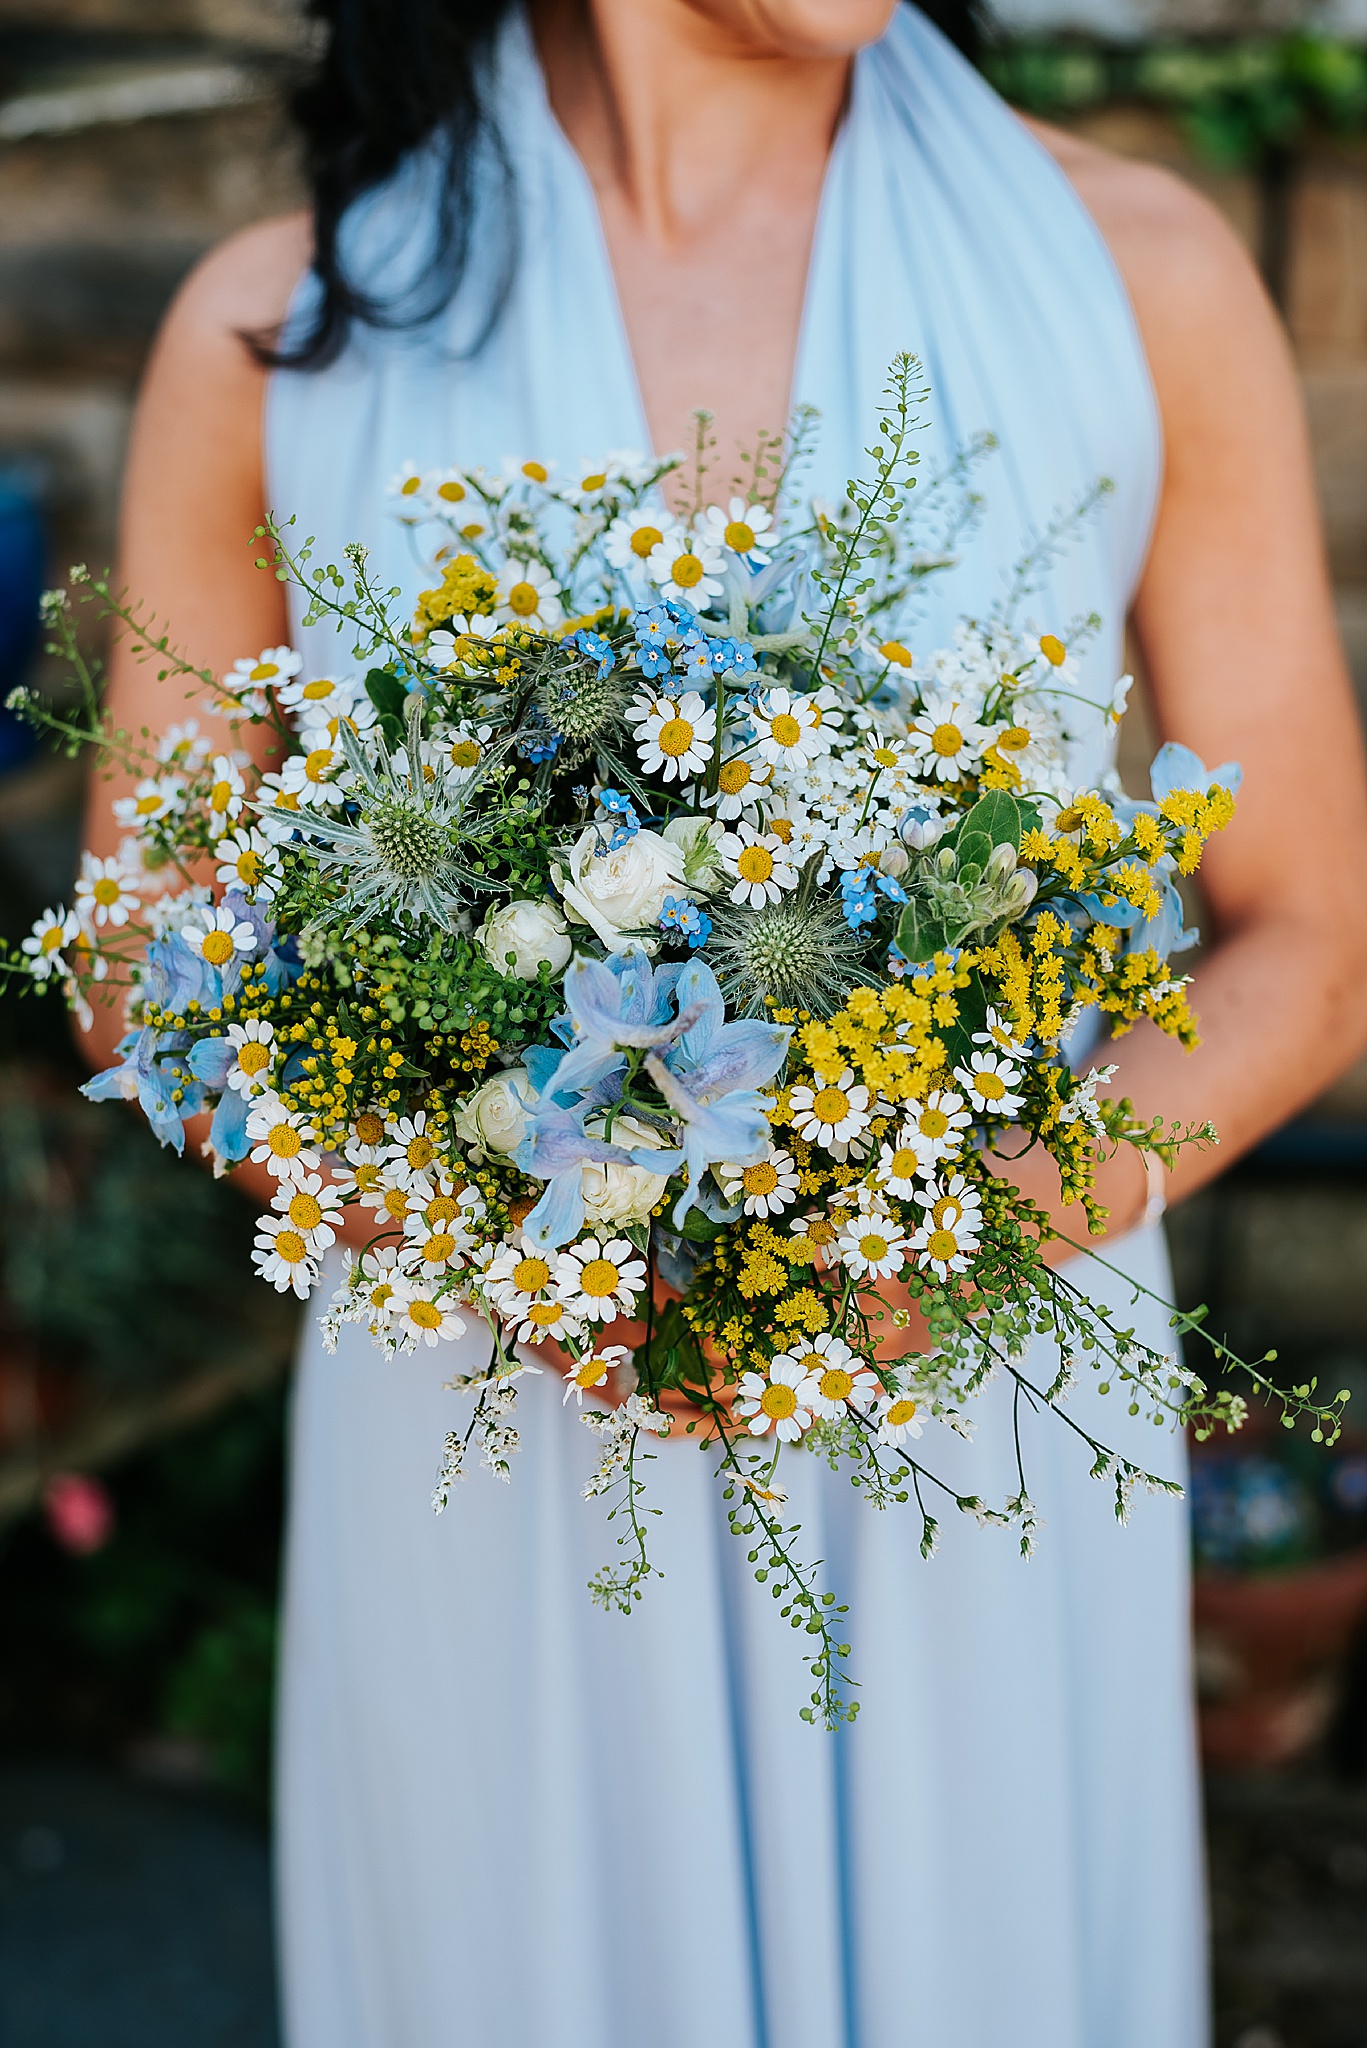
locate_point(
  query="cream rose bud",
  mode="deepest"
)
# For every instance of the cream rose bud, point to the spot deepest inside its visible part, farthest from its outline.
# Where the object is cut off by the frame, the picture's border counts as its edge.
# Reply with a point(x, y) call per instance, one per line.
point(623, 1194)
point(531, 932)
point(696, 839)
point(494, 1118)
point(623, 891)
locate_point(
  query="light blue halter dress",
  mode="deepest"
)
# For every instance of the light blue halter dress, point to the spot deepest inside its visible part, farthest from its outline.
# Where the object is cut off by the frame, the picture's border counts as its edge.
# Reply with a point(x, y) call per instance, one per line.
point(508, 1820)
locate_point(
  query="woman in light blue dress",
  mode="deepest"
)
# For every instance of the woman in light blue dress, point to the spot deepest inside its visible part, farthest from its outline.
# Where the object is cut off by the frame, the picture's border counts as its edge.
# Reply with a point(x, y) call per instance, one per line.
point(508, 1820)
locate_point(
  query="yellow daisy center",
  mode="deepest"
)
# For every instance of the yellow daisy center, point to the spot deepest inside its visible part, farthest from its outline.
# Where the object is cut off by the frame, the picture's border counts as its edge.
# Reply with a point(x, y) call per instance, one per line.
point(645, 540)
point(442, 1209)
point(425, 1314)
point(321, 687)
point(885, 757)
point(893, 650)
point(317, 763)
point(733, 778)
point(835, 1384)
point(904, 1163)
point(396, 1204)
point(901, 1412)
point(381, 1294)
point(873, 1247)
point(147, 804)
point(594, 482)
point(591, 1372)
point(451, 491)
point(263, 671)
point(523, 599)
point(1053, 650)
point(253, 1056)
point(367, 1177)
point(544, 1313)
point(947, 739)
point(739, 536)
point(438, 1248)
point(217, 948)
point(676, 737)
point(410, 486)
point(687, 571)
point(52, 938)
point(284, 1141)
point(530, 1274)
point(761, 1179)
point(947, 1212)
point(306, 1211)
point(369, 1128)
point(778, 1400)
point(464, 754)
point(830, 1105)
point(106, 891)
point(990, 1086)
point(291, 1247)
point(932, 1123)
point(942, 1245)
point(755, 864)
point(1014, 739)
point(785, 729)
point(537, 471)
point(420, 1151)
point(248, 866)
point(600, 1278)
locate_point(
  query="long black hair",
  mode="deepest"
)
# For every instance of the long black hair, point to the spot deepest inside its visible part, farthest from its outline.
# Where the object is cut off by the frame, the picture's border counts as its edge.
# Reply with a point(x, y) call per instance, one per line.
point(389, 75)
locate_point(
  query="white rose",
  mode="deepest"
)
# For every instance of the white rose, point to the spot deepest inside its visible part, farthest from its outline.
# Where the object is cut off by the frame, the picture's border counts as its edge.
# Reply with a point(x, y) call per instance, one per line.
point(619, 892)
point(531, 932)
point(696, 839)
point(494, 1118)
point(624, 1194)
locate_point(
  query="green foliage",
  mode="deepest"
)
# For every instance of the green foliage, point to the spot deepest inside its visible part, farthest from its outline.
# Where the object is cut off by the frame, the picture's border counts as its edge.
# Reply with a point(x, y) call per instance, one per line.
point(1237, 101)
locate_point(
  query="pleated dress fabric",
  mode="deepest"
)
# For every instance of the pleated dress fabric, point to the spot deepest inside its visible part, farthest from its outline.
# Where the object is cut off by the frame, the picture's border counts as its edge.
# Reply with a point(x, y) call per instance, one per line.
point(506, 1819)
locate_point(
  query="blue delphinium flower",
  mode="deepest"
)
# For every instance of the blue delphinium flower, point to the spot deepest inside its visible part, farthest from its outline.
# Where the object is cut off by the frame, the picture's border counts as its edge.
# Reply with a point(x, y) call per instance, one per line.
point(597, 649)
point(651, 630)
point(857, 898)
point(622, 811)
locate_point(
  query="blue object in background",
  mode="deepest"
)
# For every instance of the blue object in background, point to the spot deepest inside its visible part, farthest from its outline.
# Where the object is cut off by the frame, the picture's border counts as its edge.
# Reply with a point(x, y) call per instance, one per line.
point(23, 558)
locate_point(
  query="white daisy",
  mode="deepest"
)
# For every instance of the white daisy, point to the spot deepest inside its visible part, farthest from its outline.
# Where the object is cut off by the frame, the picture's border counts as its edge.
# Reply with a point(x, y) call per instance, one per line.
point(446, 645)
point(871, 1247)
point(183, 746)
point(764, 1188)
point(778, 1399)
point(529, 594)
point(833, 1375)
point(272, 791)
point(282, 1256)
point(217, 934)
point(757, 862)
point(898, 1166)
point(462, 750)
point(379, 1271)
point(592, 1371)
point(313, 776)
point(742, 529)
point(104, 894)
point(686, 568)
point(321, 697)
point(253, 1043)
point(898, 1417)
point(998, 1031)
point(737, 790)
point(935, 1127)
point(600, 1281)
point(149, 802)
point(249, 862)
point(786, 728)
point(420, 1317)
point(951, 1227)
point(278, 1138)
point(412, 1147)
point(1028, 745)
point(311, 1206)
point(53, 931)
point(633, 537)
point(673, 735)
point(947, 739)
point(518, 1278)
point(833, 1114)
point(247, 681)
point(226, 791)
point(990, 1080)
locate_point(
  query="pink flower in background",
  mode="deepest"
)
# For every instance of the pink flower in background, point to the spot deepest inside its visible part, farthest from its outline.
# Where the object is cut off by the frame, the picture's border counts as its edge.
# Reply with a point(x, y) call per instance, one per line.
point(79, 1512)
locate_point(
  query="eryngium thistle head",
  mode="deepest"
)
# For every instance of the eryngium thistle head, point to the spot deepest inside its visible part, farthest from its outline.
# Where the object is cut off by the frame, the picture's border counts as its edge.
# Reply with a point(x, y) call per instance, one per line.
point(798, 953)
point(579, 703)
point(409, 841)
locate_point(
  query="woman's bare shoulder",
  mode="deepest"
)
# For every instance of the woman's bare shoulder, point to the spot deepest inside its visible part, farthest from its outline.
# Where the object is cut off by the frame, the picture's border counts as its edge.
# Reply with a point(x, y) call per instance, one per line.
point(243, 285)
point(1187, 272)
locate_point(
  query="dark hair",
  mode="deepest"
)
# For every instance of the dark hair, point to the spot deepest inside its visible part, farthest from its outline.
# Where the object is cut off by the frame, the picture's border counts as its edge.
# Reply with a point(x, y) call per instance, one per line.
point(391, 74)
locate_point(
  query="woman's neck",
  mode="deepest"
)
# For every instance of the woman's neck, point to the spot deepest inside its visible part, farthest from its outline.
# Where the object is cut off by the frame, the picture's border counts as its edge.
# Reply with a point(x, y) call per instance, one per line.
point(707, 157)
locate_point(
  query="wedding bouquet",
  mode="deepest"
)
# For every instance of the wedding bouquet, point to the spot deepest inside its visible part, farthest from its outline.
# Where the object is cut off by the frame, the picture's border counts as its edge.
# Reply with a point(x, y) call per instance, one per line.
point(640, 931)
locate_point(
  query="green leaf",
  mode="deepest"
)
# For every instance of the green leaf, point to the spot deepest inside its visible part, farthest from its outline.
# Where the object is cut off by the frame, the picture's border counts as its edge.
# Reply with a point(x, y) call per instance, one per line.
point(386, 693)
point(996, 815)
point(919, 937)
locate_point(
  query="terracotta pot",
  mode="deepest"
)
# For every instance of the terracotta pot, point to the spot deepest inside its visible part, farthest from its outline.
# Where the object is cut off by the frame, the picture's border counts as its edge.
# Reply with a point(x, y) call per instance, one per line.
point(1267, 1648)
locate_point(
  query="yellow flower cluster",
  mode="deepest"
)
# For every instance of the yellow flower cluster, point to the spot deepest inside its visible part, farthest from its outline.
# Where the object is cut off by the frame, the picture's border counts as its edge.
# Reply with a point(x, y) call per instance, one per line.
point(888, 1035)
point(466, 586)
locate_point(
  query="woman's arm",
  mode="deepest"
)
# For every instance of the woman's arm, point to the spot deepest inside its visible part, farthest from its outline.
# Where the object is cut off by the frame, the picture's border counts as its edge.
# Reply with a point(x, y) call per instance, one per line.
point(1236, 625)
point(193, 492)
